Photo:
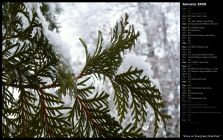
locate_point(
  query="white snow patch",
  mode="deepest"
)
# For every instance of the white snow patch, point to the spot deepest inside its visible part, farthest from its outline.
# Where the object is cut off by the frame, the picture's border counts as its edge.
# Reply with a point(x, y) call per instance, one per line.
point(15, 92)
point(24, 20)
point(61, 47)
point(145, 127)
point(12, 51)
point(156, 82)
point(12, 130)
point(52, 7)
point(119, 27)
point(178, 89)
point(67, 99)
point(107, 45)
point(159, 52)
point(139, 62)
point(171, 97)
point(115, 18)
point(91, 49)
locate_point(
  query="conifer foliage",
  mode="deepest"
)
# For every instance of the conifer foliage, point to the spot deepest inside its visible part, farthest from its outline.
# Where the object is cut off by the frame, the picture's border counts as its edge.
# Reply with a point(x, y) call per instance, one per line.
point(32, 66)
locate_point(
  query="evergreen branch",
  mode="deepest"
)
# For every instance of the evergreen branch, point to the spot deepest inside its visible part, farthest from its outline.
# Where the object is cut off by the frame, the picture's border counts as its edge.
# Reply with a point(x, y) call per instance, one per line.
point(8, 102)
point(131, 132)
point(142, 92)
point(29, 58)
point(92, 114)
point(88, 115)
point(6, 37)
point(25, 111)
point(52, 85)
point(44, 113)
point(107, 61)
point(50, 122)
point(25, 68)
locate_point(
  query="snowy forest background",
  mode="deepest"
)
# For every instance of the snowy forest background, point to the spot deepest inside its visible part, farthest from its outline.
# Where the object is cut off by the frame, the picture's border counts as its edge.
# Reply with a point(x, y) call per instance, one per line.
point(158, 46)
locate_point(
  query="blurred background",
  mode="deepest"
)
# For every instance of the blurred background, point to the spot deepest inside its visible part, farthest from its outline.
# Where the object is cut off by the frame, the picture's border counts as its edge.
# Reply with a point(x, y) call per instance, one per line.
point(158, 43)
